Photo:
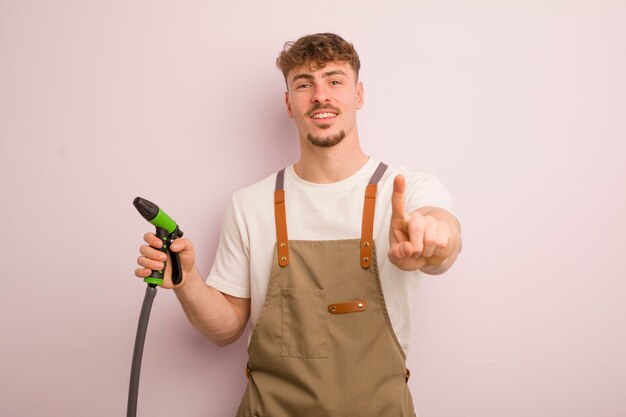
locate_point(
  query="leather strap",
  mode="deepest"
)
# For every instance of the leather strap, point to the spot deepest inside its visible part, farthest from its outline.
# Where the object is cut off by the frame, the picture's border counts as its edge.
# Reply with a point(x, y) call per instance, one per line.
point(282, 241)
point(356, 306)
point(367, 227)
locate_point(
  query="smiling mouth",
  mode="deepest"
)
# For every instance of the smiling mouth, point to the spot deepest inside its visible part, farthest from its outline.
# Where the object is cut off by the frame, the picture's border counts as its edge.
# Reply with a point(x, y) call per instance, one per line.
point(323, 112)
point(322, 116)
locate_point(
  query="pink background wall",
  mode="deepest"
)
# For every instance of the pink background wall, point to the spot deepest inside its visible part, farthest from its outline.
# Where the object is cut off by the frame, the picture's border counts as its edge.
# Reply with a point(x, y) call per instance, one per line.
point(518, 107)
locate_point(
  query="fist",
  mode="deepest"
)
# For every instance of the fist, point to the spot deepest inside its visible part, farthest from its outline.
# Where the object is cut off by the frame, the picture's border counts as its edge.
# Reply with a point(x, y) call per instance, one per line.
point(152, 259)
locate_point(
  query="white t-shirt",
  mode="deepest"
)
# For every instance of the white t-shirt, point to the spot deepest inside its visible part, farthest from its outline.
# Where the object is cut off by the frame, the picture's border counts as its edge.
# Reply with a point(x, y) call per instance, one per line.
point(334, 211)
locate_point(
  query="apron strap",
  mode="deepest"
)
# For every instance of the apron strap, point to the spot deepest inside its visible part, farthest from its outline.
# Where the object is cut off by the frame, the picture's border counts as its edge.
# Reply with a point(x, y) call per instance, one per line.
point(281, 220)
point(367, 228)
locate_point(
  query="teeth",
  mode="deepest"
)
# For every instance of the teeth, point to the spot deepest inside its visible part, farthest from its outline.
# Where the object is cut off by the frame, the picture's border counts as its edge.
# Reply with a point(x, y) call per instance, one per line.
point(323, 115)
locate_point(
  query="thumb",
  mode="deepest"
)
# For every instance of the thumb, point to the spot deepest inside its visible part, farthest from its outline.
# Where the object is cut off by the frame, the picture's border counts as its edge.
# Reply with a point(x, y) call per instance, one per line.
point(182, 244)
point(186, 253)
point(399, 254)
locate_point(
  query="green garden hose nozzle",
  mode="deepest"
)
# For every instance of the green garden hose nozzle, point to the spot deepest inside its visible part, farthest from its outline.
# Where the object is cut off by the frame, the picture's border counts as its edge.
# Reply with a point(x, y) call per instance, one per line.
point(167, 230)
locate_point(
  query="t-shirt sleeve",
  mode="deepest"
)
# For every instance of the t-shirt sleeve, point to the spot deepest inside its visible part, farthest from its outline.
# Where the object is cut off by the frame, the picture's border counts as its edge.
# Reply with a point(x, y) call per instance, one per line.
point(230, 273)
point(426, 190)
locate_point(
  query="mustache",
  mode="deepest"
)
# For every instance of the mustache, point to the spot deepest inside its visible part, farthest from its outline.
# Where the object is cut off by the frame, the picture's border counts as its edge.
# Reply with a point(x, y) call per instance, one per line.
point(319, 106)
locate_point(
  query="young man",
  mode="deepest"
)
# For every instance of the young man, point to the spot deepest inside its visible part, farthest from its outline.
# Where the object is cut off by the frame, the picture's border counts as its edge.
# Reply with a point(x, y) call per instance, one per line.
point(321, 257)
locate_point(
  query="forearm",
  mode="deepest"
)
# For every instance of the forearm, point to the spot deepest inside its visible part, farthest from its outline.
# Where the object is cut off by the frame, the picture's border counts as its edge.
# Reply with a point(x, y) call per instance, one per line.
point(439, 265)
point(210, 311)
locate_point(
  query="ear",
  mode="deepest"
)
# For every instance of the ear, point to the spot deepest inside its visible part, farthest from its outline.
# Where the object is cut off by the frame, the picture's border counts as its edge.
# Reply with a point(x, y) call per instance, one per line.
point(289, 112)
point(360, 98)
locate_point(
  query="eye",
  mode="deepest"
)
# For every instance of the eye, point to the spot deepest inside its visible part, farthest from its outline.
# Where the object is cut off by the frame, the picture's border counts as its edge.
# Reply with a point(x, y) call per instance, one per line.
point(335, 82)
point(303, 86)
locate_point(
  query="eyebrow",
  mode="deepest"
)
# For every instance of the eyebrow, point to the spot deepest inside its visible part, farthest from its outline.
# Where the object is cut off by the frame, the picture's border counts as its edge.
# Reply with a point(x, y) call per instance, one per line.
point(310, 77)
point(335, 72)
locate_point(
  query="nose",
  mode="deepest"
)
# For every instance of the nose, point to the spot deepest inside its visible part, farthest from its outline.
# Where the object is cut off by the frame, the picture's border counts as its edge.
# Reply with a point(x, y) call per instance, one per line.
point(320, 94)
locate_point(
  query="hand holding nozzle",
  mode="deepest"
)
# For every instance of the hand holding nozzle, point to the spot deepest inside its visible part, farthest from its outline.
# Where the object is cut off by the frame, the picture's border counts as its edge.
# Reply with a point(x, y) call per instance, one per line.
point(162, 244)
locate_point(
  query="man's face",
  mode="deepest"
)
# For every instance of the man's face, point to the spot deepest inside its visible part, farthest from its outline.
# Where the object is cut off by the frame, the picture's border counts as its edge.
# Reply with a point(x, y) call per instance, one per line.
point(323, 102)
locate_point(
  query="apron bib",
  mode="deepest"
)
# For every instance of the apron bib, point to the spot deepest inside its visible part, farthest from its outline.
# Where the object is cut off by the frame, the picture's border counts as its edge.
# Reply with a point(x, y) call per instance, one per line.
point(323, 345)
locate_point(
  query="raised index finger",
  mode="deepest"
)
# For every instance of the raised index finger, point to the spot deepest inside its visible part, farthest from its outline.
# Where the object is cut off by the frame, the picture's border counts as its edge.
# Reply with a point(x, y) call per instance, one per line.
point(397, 198)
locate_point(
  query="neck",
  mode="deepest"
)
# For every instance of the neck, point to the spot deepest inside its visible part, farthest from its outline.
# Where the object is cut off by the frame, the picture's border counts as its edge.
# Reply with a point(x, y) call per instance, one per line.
point(328, 165)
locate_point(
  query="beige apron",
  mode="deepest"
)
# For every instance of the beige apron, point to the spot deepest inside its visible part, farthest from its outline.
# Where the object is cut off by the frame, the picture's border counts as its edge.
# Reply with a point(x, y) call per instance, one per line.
point(323, 345)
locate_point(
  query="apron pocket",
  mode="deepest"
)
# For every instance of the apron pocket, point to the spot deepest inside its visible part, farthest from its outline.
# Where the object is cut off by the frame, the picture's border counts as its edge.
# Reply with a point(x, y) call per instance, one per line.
point(303, 331)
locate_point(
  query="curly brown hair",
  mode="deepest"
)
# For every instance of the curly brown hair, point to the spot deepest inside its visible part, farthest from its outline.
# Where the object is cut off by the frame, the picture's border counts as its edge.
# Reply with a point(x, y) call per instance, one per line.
point(317, 50)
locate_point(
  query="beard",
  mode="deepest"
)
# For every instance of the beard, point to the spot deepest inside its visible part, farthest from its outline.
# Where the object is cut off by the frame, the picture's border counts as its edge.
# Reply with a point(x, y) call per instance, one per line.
point(326, 142)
